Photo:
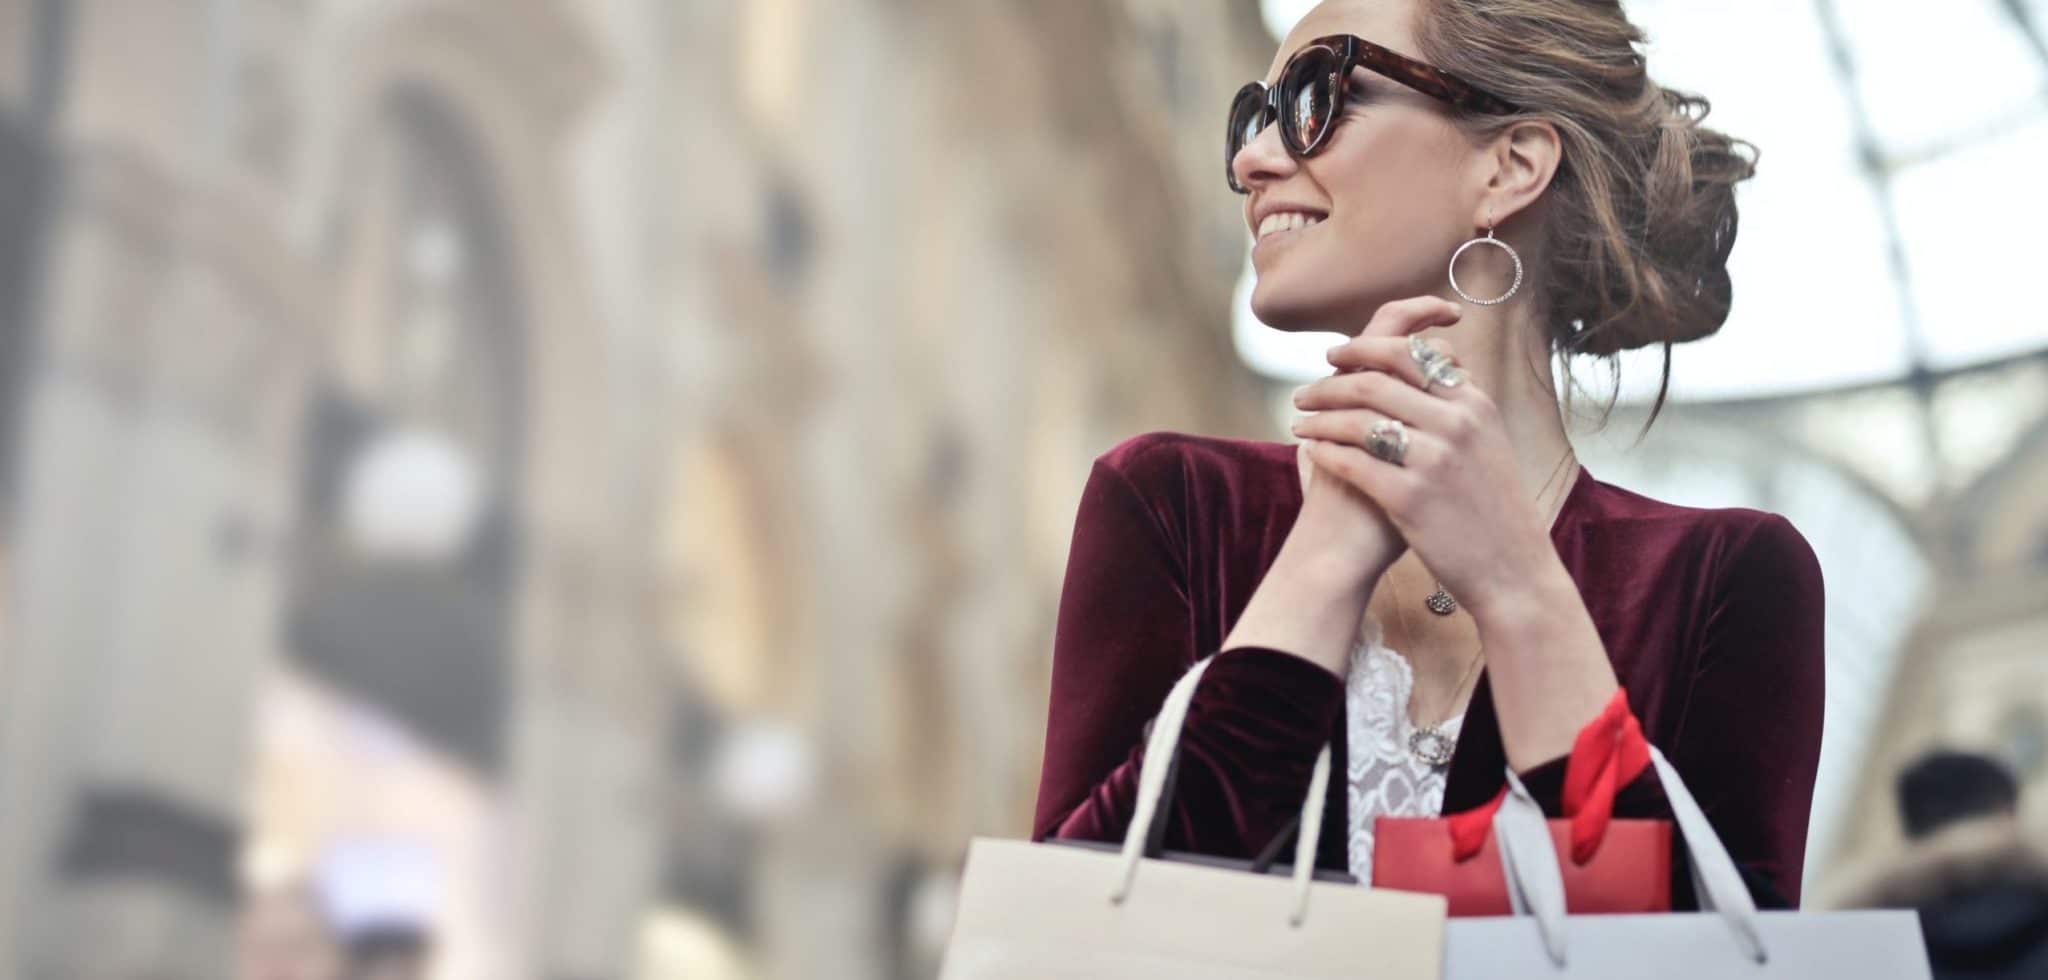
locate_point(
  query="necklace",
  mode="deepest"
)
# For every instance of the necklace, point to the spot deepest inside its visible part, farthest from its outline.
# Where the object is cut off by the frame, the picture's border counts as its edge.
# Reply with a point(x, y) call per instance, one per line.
point(1432, 743)
point(1441, 601)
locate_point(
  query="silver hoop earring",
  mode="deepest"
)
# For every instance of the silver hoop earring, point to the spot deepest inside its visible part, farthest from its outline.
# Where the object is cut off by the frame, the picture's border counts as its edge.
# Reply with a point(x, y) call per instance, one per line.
point(1488, 240)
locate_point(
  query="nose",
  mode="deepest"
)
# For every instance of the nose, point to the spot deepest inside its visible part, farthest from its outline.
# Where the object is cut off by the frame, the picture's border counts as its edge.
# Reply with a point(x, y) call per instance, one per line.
point(1263, 161)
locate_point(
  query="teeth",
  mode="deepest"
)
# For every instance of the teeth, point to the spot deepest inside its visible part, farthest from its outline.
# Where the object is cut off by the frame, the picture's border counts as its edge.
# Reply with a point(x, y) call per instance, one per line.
point(1286, 221)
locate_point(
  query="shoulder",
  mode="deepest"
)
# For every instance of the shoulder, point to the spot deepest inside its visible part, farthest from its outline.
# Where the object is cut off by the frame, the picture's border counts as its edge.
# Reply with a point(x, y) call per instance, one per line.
point(1739, 543)
point(1170, 467)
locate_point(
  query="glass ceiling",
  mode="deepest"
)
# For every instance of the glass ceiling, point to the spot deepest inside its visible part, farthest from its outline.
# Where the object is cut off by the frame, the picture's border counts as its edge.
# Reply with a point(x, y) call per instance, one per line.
point(1893, 216)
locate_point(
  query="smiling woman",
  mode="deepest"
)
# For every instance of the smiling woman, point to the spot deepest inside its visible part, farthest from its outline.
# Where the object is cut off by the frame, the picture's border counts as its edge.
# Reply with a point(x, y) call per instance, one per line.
point(1431, 560)
point(1870, 134)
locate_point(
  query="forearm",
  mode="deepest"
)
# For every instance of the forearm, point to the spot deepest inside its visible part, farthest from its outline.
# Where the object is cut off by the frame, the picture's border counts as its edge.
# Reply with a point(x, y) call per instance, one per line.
point(1246, 751)
point(1549, 669)
point(1309, 604)
point(1259, 717)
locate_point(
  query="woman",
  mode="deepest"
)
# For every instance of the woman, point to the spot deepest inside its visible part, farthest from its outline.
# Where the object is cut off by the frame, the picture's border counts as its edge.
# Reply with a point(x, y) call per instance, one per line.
point(1506, 591)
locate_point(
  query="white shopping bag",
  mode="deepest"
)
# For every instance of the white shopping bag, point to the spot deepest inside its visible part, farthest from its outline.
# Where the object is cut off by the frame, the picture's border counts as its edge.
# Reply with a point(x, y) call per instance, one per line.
point(1730, 937)
point(1042, 911)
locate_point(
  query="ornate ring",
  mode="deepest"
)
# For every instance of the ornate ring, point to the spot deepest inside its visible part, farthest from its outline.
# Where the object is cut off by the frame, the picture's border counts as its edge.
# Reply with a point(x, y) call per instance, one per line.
point(1388, 440)
point(1437, 367)
point(1422, 353)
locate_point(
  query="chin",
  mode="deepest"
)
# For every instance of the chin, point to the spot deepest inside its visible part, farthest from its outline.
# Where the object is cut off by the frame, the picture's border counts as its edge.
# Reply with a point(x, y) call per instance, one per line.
point(1295, 310)
point(1287, 306)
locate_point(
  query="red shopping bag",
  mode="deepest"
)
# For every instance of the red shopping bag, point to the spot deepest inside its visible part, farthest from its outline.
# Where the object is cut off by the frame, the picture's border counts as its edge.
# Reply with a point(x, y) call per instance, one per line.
point(1614, 865)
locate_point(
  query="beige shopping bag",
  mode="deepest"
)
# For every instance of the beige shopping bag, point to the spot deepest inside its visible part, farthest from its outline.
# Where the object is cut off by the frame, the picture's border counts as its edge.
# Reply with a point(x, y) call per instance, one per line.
point(1041, 911)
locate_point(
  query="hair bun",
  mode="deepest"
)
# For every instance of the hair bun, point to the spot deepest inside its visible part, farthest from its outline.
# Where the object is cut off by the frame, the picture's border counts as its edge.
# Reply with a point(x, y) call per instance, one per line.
point(1667, 269)
point(1642, 216)
point(1688, 226)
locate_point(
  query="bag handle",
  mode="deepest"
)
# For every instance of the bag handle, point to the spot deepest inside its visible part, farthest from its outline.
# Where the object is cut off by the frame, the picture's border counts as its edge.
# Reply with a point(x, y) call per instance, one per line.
point(1536, 887)
point(1608, 753)
point(1159, 752)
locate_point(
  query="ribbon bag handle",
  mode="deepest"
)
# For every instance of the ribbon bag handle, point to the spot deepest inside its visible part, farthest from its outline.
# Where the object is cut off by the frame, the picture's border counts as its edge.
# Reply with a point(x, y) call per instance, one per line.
point(1536, 887)
point(1159, 753)
point(1608, 753)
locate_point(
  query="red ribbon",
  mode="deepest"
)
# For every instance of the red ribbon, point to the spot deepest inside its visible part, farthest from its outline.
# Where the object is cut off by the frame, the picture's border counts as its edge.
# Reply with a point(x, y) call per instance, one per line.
point(1469, 828)
point(1609, 752)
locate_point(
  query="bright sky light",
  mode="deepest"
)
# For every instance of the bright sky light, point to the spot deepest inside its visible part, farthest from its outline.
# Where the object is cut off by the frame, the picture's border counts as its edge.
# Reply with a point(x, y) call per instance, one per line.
point(1816, 301)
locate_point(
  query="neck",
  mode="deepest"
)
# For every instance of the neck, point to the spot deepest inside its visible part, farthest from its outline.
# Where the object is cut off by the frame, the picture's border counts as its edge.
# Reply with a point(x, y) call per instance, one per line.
point(1504, 350)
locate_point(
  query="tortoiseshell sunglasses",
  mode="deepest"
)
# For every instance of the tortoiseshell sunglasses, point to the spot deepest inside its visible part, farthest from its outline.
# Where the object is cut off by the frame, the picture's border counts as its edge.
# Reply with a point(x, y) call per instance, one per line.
point(1313, 84)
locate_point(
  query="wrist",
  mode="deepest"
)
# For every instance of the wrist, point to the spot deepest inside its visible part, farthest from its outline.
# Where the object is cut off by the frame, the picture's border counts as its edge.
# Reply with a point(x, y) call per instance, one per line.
point(1526, 602)
point(1333, 565)
point(1342, 550)
point(1309, 604)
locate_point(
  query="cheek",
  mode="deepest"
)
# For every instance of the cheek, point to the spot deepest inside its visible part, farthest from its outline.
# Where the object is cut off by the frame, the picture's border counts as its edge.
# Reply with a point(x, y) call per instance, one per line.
point(1394, 207)
point(1393, 189)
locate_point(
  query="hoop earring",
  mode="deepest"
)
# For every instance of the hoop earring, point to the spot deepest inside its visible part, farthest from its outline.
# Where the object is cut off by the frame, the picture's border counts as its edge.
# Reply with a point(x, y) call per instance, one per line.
point(1488, 240)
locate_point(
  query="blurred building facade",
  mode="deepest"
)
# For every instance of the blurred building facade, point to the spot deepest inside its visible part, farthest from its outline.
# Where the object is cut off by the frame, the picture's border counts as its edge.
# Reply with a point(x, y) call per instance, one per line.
point(947, 253)
point(341, 379)
point(653, 426)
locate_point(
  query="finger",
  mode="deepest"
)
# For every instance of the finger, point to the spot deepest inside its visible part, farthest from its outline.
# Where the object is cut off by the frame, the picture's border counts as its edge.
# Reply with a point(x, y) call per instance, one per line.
point(1353, 427)
point(1381, 392)
point(1403, 317)
point(1378, 479)
point(1389, 354)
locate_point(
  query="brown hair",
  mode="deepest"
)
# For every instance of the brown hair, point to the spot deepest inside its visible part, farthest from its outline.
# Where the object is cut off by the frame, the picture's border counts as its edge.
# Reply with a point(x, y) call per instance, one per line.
point(1643, 212)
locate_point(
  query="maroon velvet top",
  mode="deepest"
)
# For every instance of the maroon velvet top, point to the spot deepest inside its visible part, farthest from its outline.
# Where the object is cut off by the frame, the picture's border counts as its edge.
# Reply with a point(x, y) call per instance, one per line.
point(1711, 617)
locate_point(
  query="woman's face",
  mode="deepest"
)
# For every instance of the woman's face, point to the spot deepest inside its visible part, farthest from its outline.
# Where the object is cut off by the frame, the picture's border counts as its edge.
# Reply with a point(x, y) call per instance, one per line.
point(1390, 194)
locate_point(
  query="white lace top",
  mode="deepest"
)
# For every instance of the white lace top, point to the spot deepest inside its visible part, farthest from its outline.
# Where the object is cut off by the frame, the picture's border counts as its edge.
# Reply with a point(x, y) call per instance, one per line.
point(1385, 779)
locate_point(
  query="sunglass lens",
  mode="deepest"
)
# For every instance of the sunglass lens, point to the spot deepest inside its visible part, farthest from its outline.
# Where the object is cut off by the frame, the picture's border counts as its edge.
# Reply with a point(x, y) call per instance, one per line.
point(1247, 117)
point(1308, 96)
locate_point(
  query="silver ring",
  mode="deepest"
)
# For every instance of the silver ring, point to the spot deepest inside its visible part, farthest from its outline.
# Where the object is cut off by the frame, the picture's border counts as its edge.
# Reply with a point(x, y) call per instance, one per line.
point(1437, 367)
point(1388, 440)
point(1422, 353)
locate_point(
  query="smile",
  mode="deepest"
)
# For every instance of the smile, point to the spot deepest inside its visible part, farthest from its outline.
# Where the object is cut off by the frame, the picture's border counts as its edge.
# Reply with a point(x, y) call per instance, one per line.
point(1280, 222)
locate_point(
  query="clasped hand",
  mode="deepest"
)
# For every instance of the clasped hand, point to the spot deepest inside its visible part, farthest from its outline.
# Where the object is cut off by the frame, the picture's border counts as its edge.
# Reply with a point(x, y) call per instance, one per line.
point(1455, 498)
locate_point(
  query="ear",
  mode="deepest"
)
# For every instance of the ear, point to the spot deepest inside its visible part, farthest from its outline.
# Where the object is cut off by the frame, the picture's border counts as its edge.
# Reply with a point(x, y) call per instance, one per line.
point(1521, 160)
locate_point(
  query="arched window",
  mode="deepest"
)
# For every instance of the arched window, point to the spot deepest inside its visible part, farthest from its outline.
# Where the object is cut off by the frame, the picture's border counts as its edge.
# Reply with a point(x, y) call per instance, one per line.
point(413, 440)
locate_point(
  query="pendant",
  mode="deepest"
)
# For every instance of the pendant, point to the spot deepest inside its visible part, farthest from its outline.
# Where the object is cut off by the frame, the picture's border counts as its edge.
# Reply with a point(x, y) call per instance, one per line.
point(1440, 602)
point(1431, 745)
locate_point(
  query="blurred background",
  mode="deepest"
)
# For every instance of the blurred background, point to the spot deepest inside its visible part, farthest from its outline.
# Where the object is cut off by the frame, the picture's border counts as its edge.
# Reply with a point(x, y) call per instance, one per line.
point(573, 489)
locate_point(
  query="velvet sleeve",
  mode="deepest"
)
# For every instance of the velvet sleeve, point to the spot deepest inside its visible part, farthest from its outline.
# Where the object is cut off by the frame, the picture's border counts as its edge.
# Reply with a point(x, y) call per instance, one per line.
point(1125, 633)
point(1749, 743)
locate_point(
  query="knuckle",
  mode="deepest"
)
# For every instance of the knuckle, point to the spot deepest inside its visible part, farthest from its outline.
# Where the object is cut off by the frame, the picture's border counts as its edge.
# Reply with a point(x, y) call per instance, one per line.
point(1464, 423)
point(1340, 460)
point(1358, 427)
